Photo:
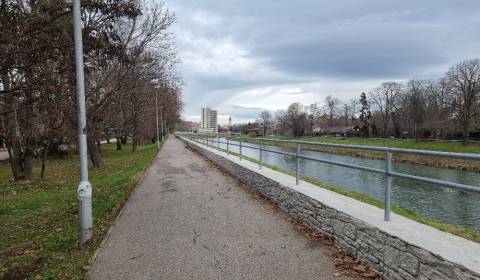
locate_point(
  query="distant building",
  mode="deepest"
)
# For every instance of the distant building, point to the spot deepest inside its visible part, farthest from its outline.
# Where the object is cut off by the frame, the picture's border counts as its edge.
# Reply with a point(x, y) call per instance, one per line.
point(341, 131)
point(209, 121)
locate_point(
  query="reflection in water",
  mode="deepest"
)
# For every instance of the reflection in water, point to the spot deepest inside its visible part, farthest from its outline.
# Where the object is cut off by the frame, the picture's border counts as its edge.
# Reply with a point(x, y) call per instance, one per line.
point(440, 203)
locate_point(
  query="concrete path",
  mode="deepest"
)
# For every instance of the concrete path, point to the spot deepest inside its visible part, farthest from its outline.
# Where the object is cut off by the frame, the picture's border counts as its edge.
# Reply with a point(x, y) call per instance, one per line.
point(189, 221)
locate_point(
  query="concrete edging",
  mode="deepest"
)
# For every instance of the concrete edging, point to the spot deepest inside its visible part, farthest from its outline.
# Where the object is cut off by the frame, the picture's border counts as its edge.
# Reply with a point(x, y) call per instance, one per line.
point(401, 249)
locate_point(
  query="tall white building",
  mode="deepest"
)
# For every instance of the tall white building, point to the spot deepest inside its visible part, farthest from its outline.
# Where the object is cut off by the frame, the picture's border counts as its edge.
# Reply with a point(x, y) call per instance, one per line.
point(209, 120)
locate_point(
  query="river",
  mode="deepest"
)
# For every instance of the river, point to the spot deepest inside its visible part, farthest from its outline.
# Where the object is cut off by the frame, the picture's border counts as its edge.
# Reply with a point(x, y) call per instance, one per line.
point(439, 203)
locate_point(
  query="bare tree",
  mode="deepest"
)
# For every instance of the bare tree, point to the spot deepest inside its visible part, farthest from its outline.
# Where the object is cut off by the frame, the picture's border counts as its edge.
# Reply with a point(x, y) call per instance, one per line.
point(331, 105)
point(464, 80)
point(354, 105)
point(347, 112)
point(313, 112)
point(294, 119)
point(265, 120)
point(384, 98)
point(414, 100)
point(126, 48)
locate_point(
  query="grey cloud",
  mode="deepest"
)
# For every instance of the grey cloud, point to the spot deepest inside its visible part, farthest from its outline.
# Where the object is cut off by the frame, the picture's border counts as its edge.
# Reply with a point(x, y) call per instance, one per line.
point(242, 112)
point(309, 40)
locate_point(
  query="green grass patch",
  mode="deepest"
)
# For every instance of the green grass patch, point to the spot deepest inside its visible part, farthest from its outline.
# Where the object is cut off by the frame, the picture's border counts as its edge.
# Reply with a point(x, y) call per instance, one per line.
point(467, 233)
point(38, 232)
point(443, 146)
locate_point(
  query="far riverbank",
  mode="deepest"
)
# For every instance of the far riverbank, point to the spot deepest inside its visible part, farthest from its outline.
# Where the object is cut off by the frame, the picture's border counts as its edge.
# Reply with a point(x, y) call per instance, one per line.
point(442, 146)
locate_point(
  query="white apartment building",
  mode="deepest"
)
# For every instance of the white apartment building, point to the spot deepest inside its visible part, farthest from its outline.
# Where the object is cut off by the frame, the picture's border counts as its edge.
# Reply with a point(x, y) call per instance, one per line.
point(209, 121)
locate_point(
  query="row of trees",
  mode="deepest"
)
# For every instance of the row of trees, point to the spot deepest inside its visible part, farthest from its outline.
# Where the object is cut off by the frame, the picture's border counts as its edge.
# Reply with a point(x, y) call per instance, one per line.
point(449, 106)
point(129, 58)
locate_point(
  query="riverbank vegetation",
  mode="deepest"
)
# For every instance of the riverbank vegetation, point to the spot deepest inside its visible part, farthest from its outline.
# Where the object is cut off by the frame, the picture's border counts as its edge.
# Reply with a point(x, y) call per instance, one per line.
point(38, 218)
point(467, 233)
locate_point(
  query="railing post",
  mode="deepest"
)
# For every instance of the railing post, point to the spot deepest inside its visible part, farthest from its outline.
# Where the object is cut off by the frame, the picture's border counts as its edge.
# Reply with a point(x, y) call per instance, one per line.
point(388, 185)
point(297, 165)
point(218, 142)
point(228, 147)
point(240, 154)
point(260, 156)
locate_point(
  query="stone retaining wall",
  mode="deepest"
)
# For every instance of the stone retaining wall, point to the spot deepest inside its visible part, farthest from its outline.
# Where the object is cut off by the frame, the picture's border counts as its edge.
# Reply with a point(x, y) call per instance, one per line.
point(388, 255)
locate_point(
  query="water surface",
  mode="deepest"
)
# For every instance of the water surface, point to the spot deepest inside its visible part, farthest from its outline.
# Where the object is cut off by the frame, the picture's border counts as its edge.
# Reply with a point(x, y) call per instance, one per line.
point(440, 203)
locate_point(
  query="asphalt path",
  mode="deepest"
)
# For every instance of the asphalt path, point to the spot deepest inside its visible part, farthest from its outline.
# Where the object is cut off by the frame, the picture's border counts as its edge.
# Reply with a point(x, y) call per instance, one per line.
point(187, 220)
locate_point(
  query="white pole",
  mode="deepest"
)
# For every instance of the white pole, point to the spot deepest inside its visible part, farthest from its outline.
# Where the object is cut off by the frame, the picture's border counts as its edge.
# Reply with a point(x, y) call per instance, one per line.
point(84, 191)
point(161, 121)
point(156, 108)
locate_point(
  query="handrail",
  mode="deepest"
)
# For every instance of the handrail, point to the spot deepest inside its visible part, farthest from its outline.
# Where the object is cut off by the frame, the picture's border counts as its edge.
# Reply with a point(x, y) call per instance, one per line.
point(372, 148)
point(388, 172)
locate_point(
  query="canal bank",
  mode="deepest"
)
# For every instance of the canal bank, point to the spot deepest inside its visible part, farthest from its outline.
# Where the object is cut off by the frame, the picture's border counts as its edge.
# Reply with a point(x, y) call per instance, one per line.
point(454, 164)
point(401, 249)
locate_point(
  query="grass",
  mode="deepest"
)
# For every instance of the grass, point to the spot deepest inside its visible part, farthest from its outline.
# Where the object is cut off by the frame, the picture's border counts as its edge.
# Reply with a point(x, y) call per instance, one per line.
point(443, 146)
point(38, 233)
point(467, 233)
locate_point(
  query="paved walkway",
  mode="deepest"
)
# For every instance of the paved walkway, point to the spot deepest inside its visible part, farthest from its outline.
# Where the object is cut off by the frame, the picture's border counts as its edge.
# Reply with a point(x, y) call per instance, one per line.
point(189, 221)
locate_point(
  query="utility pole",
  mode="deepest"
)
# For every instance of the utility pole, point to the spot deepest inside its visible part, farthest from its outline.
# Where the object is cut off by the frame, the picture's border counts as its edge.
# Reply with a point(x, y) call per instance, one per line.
point(161, 121)
point(84, 191)
point(156, 108)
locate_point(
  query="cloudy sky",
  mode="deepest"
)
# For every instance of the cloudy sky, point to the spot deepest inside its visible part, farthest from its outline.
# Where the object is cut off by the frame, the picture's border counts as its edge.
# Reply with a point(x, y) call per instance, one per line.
point(242, 56)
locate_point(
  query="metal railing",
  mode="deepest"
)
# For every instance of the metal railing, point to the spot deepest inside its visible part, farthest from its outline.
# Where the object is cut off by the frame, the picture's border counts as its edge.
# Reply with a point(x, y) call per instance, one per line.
point(388, 171)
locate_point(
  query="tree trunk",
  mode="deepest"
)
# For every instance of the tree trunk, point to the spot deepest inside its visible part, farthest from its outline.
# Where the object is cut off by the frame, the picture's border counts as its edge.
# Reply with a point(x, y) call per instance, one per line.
point(29, 144)
point(119, 143)
point(28, 163)
point(13, 144)
point(134, 143)
point(44, 160)
point(415, 131)
point(466, 132)
point(15, 162)
point(94, 153)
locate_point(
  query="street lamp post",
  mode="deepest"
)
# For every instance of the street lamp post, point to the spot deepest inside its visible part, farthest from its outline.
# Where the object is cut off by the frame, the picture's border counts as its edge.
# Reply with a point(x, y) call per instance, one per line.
point(156, 108)
point(163, 127)
point(84, 191)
